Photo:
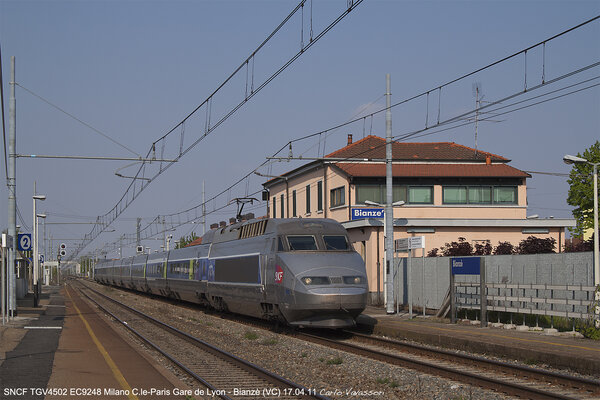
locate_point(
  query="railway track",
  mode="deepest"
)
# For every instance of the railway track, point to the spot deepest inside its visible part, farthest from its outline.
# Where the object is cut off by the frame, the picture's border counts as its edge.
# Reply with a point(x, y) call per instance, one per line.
point(502, 377)
point(513, 380)
point(218, 373)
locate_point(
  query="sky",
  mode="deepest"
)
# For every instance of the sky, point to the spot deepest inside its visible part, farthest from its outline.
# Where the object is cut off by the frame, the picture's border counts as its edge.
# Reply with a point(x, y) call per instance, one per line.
point(133, 70)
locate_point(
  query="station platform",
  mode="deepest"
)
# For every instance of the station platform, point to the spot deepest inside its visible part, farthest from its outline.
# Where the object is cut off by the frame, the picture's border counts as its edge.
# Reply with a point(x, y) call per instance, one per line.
point(64, 350)
point(558, 350)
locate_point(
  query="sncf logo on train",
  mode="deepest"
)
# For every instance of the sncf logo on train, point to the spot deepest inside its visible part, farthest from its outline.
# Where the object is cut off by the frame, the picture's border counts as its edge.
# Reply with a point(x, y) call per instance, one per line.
point(278, 274)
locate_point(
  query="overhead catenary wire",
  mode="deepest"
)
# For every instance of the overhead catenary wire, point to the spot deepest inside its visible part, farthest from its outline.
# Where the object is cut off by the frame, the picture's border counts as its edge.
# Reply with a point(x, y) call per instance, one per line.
point(458, 122)
point(136, 187)
point(442, 125)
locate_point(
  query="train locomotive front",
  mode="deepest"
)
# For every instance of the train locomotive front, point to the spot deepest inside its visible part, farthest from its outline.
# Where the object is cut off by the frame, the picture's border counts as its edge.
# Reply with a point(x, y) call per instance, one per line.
point(319, 280)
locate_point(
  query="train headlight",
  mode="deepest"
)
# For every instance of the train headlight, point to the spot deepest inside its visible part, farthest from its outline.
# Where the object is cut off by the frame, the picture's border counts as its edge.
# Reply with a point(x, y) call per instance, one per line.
point(354, 280)
point(315, 280)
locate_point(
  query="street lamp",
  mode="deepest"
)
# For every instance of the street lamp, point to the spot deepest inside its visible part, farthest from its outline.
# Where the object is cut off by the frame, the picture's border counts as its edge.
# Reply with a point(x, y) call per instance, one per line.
point(36, 261)
point(568, 159)
point(37, 229)
point(387, 252)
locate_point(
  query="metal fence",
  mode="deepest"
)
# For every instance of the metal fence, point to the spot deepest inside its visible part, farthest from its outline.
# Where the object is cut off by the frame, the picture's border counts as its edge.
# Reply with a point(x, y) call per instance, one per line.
point(544, 284)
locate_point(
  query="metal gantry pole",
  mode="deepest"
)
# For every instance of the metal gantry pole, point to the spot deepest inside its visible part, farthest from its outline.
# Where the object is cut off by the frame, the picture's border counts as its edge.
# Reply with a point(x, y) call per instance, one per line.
point(35, 255)
point(12, 192)
point(389, 218)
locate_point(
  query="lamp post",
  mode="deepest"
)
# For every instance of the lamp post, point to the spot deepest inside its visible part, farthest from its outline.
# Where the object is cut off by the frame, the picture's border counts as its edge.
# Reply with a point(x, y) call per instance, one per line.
point(568, 159)
point(37, 229)
point(36, 261)
point(386, 250)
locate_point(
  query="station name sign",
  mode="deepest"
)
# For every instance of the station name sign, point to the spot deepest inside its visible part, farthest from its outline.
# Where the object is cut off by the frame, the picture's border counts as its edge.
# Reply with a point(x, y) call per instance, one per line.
point(466, 265)
point(362, 213)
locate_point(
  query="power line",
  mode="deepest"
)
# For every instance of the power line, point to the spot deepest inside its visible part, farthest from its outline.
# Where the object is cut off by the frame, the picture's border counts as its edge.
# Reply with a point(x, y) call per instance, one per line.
point(137, 185)
point(440, 124)
point(77, 119)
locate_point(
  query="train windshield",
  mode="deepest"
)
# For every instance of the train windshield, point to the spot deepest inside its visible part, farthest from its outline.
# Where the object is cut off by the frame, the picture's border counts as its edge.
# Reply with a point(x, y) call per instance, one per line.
point(302, 243)
point(337, 242)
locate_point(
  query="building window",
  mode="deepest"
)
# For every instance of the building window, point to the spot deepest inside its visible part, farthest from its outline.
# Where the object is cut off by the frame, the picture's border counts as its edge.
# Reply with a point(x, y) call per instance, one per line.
point(480, 195)
point(308, 199)
point(377, 193)
point(368, 192)
point(455, 195)
point(505, 195)
point(274, 207)
point(420, 195)
point(281, 207)
point(294, 203)
point(337, 197)
point(320, 196)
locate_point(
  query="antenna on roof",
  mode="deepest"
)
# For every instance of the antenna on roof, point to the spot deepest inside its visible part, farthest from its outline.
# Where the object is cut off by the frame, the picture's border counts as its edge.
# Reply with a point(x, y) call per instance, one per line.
point(477, 93)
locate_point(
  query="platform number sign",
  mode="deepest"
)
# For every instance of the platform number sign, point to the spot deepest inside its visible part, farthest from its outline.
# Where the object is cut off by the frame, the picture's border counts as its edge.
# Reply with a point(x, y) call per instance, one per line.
point(24, 241)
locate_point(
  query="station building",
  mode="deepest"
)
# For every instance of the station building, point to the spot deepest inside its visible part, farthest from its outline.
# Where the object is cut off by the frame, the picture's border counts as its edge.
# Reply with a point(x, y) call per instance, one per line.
point(449, 190)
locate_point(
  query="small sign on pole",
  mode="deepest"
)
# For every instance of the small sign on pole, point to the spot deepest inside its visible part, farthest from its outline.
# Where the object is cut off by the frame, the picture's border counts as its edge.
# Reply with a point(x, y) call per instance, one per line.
point(469, 266)
point(24, 241)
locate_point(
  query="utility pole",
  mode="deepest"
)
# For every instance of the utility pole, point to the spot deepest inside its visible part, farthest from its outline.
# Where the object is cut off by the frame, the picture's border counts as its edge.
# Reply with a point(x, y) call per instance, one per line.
point(389, 218)
point(203, 208)
point(12, 191)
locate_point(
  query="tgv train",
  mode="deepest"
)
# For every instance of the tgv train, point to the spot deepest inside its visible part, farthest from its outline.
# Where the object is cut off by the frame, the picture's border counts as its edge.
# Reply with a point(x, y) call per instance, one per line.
point(302, 272)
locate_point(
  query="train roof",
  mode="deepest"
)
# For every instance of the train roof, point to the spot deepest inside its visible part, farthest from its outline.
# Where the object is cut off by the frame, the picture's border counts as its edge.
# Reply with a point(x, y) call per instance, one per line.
point(258, 227)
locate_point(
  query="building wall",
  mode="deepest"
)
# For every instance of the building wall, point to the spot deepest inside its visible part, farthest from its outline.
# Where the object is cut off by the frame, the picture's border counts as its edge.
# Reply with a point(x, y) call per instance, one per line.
point(331, 179)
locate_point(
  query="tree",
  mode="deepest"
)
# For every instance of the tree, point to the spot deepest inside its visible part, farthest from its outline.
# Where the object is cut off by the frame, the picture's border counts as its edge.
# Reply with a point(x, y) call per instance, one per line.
point(504, 248)
point(185, 240)
point(534, 245)
point(483, 249)
point(457, 249)
point(581, 190)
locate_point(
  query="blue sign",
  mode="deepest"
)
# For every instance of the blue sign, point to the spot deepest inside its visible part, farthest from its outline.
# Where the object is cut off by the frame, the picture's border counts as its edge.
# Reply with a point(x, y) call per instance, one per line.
point(362, 213)
point(466, 265)
point(24, 242)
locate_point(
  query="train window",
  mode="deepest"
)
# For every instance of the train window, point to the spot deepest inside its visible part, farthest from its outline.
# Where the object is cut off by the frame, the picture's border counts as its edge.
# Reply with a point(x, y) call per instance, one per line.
point(302, 243)
point(280, 244)
point(335, 242)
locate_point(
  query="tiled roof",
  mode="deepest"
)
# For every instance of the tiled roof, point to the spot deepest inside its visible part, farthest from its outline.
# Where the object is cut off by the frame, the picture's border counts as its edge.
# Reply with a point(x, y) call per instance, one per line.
point(433, 170)
point(373, 147)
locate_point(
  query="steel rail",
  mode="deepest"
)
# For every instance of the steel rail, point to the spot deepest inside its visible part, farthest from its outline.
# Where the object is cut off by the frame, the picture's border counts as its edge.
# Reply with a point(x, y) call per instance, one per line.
point(568, 381)
point(430, 367)
point(297, 390)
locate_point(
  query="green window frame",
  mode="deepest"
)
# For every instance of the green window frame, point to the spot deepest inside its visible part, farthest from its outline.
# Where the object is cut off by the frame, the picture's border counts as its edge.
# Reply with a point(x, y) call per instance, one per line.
point(420, 195)
point(337, 197)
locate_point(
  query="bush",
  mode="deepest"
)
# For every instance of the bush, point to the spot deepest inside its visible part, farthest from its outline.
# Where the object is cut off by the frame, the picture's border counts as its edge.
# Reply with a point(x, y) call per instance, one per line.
point(577, 245)
point(504, 248)
point(534, 245)
point(457, 249)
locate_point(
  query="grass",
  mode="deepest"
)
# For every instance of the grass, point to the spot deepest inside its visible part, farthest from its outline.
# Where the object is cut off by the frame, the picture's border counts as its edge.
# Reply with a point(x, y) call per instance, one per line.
point(250, 335)
point(335, 361)
point(387, 381)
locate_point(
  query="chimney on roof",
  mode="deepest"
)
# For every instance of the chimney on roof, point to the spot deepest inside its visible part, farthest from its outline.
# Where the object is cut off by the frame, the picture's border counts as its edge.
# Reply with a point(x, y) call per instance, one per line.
point(488, 160)
point(349, 139)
